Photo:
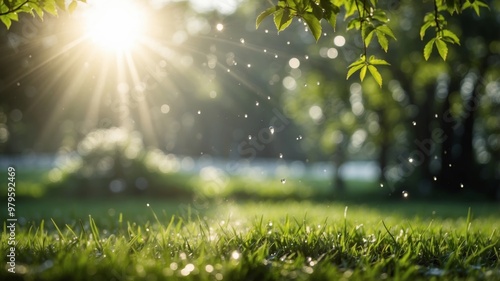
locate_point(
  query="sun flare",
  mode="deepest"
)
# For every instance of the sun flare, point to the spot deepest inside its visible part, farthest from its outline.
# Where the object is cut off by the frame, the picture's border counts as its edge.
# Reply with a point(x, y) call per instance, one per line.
point(114, 25)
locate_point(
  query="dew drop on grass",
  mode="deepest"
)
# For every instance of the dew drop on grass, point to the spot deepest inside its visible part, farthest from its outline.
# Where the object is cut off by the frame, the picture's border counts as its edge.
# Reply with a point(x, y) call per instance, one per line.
point(405, 194)
point(235, 255)
point(283, 181)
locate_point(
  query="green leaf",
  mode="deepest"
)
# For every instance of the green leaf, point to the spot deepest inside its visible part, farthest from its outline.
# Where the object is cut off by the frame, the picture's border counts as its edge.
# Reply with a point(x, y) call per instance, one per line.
point(72, 6)
point(6, 21)
point(361, 60)
point(386, 30)
point(264, 15)
point(376, 75)
point(282, 19)
point(362, 73)
point(424, 28)
point(332, 19)
point(313, 24)
point(367, 34)
point(354, 23)
point(353, 69)
point(453, 38)
point(428, 48)
point(50, 7)
point(442, 48)
point(374, 61)
point(382, 40)
point(61, 4)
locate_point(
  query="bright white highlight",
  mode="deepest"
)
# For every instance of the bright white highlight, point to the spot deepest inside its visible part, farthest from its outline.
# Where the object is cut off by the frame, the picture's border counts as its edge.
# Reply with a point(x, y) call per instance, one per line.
point(114, 25)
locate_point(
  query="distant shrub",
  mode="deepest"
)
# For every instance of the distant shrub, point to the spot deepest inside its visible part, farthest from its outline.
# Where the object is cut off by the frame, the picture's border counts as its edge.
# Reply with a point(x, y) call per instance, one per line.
point(114, 162)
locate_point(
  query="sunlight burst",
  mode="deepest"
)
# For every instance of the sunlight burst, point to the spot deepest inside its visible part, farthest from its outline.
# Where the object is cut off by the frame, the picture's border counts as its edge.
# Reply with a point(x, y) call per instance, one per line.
point(114, 25)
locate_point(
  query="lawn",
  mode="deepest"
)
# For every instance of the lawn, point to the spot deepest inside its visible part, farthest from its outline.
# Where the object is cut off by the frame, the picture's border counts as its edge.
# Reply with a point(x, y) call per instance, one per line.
point(153, 239)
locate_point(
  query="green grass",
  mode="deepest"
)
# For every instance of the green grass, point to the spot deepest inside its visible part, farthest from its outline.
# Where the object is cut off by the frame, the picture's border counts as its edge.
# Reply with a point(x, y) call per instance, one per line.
point(224, 240)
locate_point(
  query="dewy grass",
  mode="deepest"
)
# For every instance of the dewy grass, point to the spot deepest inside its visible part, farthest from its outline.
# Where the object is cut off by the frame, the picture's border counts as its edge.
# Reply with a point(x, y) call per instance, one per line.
point(261, 241)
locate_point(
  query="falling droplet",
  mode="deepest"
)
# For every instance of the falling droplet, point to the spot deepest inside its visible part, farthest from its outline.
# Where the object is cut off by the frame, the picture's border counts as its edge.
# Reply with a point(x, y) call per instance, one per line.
point(275, 56)
point(249, 137)
point(318, 83)
point(256, 103)
point(219, 26)
point(242, 41)
point(266, 31)
point(283, 181)
point(381, 185)
point(268, 97)
point(281, 155)
point(199, 111)
point(405, 194)
point(265, 51)
point(147, 204)
point(461, 185)
point(436, 115)
point(246, 115)
point(288, 42)
point(435, 178)
point(410, 160)
point(18, 84)
point(449, 165)
point(414, 123)
point(249, 65)
point(307, 57)
point(271, 129)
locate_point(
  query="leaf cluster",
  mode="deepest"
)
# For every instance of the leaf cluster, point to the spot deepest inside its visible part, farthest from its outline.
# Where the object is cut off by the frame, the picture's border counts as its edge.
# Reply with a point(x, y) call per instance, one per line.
point(10, 9)
point(371, 21)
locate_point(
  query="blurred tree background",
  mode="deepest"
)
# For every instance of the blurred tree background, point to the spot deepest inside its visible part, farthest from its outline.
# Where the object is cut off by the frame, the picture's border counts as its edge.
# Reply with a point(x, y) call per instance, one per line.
point(204, 82)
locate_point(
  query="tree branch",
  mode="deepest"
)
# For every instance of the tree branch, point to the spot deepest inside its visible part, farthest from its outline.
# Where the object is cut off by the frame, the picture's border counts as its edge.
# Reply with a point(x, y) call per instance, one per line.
point(15, 9)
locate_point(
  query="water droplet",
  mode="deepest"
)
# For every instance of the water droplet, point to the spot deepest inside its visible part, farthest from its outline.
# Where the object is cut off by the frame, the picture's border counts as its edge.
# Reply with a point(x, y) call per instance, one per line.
point(283, 181)
point(249, 65)
point(449, 165)
point(410, 160)
point(266, 31)
point(265, 51)
point(318, 83)
point(256, 103)
point(219, 26)
point(249, 137)
point(268, 97)
point(288, 42)
point(405, 194)
point(235, 255)
point(271, 129)
point(414, 123)
point(381, 185)
point(307, 57)
point(242, 41)
point(246, 115)
point(275, 56)
point(461, 185)
point(199, 111)
point(281, 155)
point(18, 84)
point(435, 178)
point(147, 204)
point(436, 115)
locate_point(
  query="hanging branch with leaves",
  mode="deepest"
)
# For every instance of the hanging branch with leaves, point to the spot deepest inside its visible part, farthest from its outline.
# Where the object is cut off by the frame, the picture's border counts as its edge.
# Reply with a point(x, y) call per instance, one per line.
point(371, 21)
